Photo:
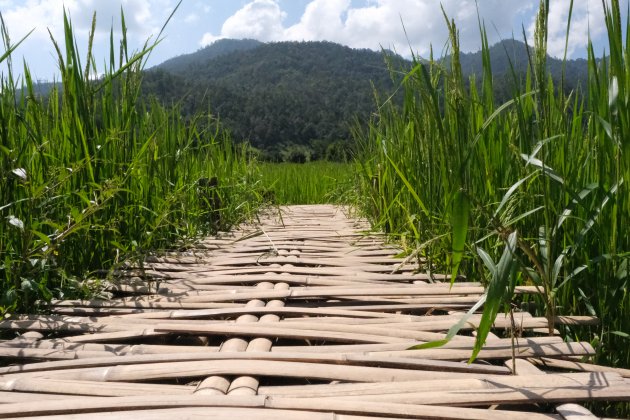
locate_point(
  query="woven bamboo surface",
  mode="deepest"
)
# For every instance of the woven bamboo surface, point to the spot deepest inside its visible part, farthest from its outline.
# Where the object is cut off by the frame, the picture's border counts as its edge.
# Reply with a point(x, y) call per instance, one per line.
point(302, 316)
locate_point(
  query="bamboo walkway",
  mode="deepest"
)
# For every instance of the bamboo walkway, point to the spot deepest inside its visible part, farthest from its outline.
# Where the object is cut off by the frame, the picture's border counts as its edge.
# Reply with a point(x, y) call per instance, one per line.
point(303, 316)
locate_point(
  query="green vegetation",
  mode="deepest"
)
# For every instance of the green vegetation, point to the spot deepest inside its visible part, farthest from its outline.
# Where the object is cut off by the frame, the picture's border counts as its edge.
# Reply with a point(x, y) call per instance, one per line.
point(306, 95)
point(91, 177)
point(278, 95)
point(538, 183)
point(529, 189)
point(308, 183)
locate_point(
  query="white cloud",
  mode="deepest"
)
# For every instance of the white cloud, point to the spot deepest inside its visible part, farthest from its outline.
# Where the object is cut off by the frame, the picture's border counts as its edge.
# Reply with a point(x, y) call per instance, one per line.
point(260, 19)
point(142, 17)
point(588, 17)
point(191, 18)
point(48, 14)
point(208, 39)
point(322, 20)
point(380, 23)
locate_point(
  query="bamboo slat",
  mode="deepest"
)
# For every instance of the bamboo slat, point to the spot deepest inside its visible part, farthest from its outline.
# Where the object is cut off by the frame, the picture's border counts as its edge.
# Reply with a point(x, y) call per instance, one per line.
point(388, 391)
point(91, 405)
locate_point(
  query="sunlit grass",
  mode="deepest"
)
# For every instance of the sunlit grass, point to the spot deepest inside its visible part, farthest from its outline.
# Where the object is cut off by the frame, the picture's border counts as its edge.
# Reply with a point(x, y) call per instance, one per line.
point(307, 183)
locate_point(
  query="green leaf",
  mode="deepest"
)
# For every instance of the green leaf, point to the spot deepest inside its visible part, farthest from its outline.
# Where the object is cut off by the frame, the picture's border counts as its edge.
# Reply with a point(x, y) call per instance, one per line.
point(531, 160)
point(587, 302)
point(557, 266)
point(487, 260)
point(511, 191)
point(500, 289)
point(12, 48)
point(453, 330)
point(459, 217)
point(412, 191)
point(572, 275)
point(579, 198)
point(429, 345)
point(606, 126)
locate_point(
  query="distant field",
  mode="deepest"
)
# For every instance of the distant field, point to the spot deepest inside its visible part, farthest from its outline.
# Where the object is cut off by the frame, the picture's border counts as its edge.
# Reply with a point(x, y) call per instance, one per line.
point(307, 183)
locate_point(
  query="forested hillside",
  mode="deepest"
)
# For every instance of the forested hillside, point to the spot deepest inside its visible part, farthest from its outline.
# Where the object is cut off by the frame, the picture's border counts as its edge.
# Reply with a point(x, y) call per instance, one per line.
point(298, 100)
point(510, 54)
point(291, 100)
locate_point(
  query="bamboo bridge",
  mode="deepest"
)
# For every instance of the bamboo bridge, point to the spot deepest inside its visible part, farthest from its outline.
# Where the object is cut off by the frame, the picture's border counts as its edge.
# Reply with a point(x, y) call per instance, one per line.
point(303, 315)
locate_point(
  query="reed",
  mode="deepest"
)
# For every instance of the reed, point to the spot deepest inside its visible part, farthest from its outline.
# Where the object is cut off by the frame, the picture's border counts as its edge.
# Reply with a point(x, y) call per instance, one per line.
point(541, 180)
point(91, 176)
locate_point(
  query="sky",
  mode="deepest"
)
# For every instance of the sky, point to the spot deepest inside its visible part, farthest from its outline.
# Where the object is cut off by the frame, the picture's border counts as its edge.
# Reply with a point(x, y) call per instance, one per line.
point(400, 25)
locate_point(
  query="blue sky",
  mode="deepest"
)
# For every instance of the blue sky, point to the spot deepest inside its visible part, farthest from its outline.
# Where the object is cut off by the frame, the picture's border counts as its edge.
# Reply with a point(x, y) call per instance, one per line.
point(357, 23)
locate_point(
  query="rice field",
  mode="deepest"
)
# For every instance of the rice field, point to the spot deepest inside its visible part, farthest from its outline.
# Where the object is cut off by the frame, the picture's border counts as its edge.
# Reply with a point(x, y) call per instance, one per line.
point(531, 191)
point(307, 183)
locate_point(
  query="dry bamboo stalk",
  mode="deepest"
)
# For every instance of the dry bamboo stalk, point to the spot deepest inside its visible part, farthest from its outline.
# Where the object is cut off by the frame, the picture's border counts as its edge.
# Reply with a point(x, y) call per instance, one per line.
point(395, 320)
point(248, 385)
point(240, 367)
point(115, 336)
point(142, 304)
point(213, 283)
point(386, 278)
point(85, 311)
point(294, 329)
point(233, 261)
point(218, 413)
point(575, 412)
point(524, 322)
point(58, 367)
point(219, 385)
point(284, 311)
point(502, 344)
point(89, 388)
point(402, 293)
point(383, 390)
point(571, 411)
point(45, 354)
point(311, 271)
point(107, 350)
point(559, 349)
point(9, 397)
point(524, 395)
point(388, 409)
point(428, 304)
point(341, 291)
point(578, 366)
point(94, 404)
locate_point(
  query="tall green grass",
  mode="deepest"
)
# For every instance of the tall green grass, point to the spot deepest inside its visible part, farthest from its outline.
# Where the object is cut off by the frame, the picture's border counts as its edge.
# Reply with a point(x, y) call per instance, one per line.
point(546, 173)
point(307, 183)
point(90, 176)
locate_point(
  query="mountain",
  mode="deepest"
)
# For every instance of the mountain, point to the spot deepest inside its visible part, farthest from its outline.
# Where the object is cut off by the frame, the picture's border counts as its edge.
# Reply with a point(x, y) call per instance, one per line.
point(277, 95)
point(511, 53)
point(305, 96)
point(181, 63)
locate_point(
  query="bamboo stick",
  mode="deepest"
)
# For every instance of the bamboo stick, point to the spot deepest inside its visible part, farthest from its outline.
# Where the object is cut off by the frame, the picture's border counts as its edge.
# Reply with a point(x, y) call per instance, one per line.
point(93, 404)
